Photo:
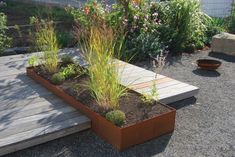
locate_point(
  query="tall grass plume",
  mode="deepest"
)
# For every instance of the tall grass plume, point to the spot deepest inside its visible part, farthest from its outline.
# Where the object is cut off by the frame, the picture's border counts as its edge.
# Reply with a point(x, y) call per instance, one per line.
point(103, 72)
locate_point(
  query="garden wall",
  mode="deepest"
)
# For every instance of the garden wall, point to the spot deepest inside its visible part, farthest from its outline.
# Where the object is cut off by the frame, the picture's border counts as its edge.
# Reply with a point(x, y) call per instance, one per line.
point(215, 8)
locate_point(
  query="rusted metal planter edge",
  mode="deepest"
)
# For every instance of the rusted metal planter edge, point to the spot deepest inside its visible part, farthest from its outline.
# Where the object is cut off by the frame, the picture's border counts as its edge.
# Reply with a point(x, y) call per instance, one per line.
point(120, 138)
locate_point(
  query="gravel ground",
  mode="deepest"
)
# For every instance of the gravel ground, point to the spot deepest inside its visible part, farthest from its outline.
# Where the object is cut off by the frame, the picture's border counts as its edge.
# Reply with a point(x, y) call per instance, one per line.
point(205, 124)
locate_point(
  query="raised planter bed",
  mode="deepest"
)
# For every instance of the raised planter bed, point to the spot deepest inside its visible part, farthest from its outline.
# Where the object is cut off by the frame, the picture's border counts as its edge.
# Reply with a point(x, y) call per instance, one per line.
point(119, 137)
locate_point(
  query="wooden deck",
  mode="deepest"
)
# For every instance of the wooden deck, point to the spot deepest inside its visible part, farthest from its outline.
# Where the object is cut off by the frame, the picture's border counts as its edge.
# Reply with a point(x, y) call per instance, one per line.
point(142, 80)
point(31, 115)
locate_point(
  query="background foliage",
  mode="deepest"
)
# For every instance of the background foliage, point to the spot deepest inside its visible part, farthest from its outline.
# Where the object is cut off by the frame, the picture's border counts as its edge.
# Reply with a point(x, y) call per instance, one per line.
point(5, 41)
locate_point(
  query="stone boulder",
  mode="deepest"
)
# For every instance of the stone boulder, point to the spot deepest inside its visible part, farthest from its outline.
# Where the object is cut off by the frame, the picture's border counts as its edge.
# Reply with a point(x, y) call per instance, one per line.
point(224, 43)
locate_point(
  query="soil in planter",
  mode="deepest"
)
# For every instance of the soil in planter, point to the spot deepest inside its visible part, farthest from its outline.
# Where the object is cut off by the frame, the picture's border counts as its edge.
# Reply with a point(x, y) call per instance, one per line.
point(131, 104)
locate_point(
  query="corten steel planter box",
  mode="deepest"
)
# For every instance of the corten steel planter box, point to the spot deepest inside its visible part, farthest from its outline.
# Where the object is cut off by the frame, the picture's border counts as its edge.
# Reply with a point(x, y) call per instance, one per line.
point(121, 138)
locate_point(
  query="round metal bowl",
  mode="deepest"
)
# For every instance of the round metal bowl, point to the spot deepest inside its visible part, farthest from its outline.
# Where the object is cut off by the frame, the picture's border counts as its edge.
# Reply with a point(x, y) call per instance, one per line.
point(208, 64)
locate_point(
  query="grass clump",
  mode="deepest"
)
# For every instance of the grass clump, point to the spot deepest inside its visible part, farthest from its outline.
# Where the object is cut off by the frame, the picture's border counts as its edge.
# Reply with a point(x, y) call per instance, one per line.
point(46, 41)
point(57, 78)
point(103, 74)
point(117, 117)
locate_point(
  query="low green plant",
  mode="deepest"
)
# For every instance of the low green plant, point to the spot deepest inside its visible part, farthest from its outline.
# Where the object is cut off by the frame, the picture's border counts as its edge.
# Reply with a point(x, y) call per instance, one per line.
point(46, 41)
point(103, 75)
point(152, 96)
point(142, 46)
point(57, 78)
point(215, 26)
point(70, 71)
point(5, 41)
point(33, 61)
point(117, 117)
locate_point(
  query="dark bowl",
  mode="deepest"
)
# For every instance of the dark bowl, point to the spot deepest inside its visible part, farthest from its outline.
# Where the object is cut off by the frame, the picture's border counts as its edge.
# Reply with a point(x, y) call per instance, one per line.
point(208, 64)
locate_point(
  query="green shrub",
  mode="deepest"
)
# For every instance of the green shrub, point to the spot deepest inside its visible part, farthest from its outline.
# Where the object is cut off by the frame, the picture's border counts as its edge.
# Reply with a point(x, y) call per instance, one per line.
point(214, 26)
point(57, 78)
point(69, 71)
point(5, 41)
point(117, 117)
point(184, 24)
point(92, 13)
point(231, 23)
point(142, 46)
point(140, 22)
point(88, 14)
point(65, 39)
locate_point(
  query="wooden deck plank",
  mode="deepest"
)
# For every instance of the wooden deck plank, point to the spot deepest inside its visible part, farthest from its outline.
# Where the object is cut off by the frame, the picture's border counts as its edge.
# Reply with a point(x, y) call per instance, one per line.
point(176, 91)
point(33, 122)
point(42, 130)
point(12, 72)
point(43, 134)
point(9, 104)
point(29, 110)
point(168, 89)
point(14, 79)
point(5, 68)
point(13, 58)
point(134, 81)
point(43, 138)
point(24, 93)
point(148, 83)
point(179, 96)
point(159, 86)
point(11, 117)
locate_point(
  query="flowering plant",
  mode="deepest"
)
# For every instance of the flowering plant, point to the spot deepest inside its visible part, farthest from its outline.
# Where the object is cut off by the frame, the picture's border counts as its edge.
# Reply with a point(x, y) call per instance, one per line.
point(140, 27)
point(91, 12)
